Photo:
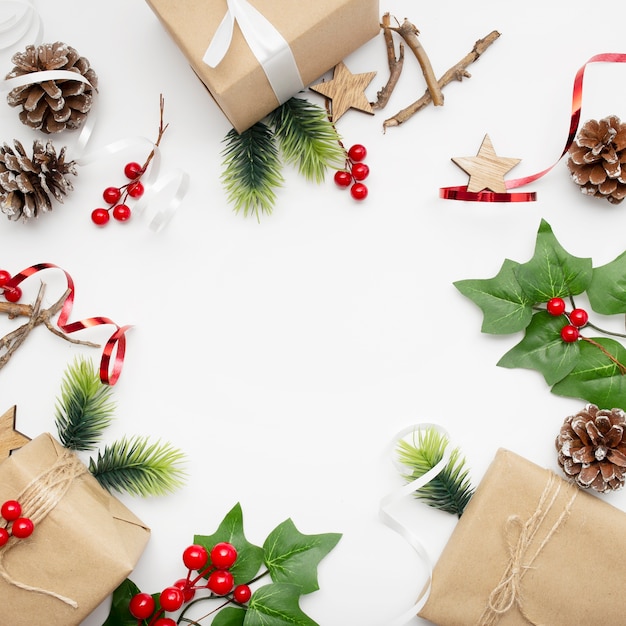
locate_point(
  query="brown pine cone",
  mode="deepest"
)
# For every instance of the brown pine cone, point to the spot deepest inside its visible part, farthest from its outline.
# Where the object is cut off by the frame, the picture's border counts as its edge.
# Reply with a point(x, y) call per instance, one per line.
point(52, 105)
point(591, 448)
point(26, 184)
point(597, 159)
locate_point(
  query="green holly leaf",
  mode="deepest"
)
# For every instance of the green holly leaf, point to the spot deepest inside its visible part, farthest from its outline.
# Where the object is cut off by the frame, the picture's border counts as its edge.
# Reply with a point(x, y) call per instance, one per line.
point(293, 557)
point(542, 349)
point(553, 272)
point(119, 615)
point(505, 306)
point(230, 616)
point(607, 291)
point(276, 604)
point(597, 378)
point(249, 557)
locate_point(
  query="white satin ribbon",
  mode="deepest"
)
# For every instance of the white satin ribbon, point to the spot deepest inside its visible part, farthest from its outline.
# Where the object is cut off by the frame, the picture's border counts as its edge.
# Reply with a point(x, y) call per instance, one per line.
point(269, 47)
point(17, 19)
point(395, 524)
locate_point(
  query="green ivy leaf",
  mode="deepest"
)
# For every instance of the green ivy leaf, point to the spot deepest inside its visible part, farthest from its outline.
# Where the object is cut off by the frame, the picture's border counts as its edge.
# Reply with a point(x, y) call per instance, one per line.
point(277, 604)
point(293, 557)
point(543, 349)
point(607, 291)
point(230, 616)
point(249, 557)
point(553, 272)
point(505, 307)
point(119, 615)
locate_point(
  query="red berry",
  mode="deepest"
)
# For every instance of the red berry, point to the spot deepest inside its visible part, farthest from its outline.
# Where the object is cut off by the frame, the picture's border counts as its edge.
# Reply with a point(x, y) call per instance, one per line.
point(135, 190)
point(357, 152)
point(11, 510)
point(132, 170)
point(569, 333)
point(220, 582)
point(185, 586)
point(242, 593)
point(100, 217)
point(195, 557)
point(578, 317)
point(165, 621)
point(12, 294)
point(223, 555)
point(556, 306)
point(142, 605)
point(121, 212)
point(343, 178)
point(22, 527)
point(358, 191)
point(171, 598)
point(360, 171)
point(4, 536)
point(111, 195)
point(5, 277)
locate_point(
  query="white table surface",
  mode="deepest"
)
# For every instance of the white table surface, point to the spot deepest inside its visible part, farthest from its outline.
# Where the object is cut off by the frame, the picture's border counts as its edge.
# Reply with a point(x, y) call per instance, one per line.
point(283, 355)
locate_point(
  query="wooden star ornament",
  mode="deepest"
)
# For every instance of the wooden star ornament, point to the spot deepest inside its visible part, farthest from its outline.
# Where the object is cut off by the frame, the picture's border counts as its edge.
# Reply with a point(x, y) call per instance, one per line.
point(486, 169)
point(10, 439)
point(346, 91)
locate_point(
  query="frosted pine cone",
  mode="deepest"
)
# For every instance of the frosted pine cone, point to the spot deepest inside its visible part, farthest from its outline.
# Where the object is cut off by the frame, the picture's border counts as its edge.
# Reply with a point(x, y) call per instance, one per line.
point(597, 159)
point(591, 448)
point(52, 105)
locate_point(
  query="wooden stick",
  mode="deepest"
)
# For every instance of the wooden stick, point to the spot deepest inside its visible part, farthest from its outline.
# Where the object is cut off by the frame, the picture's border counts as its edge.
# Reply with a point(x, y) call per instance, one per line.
point(457, 72)
point(395, 65)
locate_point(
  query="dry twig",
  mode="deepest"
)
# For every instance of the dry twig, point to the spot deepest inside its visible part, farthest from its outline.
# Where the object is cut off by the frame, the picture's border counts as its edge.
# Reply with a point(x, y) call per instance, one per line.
point(395, 65)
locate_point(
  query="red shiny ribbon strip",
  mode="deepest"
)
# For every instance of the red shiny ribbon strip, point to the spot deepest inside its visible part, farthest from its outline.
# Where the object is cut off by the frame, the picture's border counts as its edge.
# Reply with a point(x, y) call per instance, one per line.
point(461, 193)
point(116, 343)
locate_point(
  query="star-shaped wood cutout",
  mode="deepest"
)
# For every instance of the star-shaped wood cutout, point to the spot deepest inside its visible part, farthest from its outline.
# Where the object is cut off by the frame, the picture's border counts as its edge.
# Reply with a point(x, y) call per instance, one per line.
point(346, 90)
point(10, 439)
point(486, 169)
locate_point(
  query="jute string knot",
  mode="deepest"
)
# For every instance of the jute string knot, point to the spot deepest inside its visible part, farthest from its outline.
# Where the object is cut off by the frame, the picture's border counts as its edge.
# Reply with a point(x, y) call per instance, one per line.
point(37, 499)
point(520, 538)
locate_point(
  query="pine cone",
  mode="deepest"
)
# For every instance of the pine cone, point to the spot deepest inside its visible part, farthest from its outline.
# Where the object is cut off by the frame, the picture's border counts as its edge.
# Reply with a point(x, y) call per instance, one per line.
point(592, 448)
point(52, 105)
point(26, 184)
point(597, 159)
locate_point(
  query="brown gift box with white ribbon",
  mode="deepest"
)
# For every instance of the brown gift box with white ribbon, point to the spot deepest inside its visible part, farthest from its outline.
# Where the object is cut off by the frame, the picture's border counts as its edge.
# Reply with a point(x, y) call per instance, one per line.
point(85, 541)
point(316, 36)
point(531, 549)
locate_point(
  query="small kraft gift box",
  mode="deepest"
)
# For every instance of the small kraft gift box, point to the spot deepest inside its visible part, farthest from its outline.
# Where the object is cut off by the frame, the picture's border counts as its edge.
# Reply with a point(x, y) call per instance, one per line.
point(253, 56)
point(531, 549)
point(84, 542)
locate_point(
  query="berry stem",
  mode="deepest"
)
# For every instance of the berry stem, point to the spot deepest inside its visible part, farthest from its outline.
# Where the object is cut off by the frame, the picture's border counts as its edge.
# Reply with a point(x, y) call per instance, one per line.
point(162, 129)
point(182, 618)
point(620, 366)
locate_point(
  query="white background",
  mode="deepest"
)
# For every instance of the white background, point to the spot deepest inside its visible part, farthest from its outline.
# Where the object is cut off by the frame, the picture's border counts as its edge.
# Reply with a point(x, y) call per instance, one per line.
point(283, 355)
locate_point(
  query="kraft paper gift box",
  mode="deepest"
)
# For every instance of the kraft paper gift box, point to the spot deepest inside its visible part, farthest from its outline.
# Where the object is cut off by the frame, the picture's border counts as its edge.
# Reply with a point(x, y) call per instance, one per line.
point(81, 549)
point(294, 37)
point(531, 548)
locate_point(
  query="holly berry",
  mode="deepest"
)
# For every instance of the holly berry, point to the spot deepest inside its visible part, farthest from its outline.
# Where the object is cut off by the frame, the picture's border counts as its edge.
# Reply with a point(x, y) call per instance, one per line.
point(13, 294)
point(220, 582)
point(121, 212)
point(343, 178)
point(100, 216)
point(223, 555)
point(165, 621)
point(111, 195)
point(135, 190)
point(22, 527)
point(185, 586)
point(142, 605)
point(556, 306)
point(132, 170)
point(5, 277)
point(171, 599)
point(360, 171)
point(195, 557)
point(569, 333)
point(4, 536)
point(242, 593)
point(357, 152)
point(358, 191)
point(11, 510)
point(578, 317)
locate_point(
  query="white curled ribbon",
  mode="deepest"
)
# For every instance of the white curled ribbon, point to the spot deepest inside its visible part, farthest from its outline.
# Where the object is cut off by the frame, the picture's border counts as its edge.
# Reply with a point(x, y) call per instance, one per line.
point(270, 48)
point(392, 522)
point(17, 19)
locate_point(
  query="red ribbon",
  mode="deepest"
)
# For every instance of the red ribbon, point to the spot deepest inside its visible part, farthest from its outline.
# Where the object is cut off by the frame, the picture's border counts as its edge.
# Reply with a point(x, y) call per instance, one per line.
point(116, 342)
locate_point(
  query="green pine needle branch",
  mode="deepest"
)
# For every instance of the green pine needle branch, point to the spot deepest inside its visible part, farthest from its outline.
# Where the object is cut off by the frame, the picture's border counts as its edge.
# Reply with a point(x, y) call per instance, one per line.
point(138, 467)
point(451, 489)
point(84, 408)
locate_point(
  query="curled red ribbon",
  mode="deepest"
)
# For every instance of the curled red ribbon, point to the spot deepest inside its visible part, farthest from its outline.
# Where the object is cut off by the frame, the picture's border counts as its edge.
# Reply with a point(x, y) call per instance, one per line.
point(116, 343)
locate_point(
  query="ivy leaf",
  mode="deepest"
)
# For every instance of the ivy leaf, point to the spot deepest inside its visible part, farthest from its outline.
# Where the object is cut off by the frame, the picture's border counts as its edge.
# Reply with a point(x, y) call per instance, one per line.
point(119, 615)
point(249, 557)
point(293, 557)
point(543, 349)
point(553, 272)
point(607, 291)
point(505, 306)
point(277, 604)
point(230, 616)
point(596, 378)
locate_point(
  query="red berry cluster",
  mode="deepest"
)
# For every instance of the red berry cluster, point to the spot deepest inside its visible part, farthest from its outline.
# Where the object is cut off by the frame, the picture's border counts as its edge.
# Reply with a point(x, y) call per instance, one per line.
point(576, 318)
point(354, 173)
point(214, 566)
point(11, 294)
point(16, 525)
point(116, 197)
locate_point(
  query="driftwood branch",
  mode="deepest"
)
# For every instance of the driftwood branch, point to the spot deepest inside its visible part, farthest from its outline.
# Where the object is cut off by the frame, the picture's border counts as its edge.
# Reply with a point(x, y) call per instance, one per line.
point(395, 65)
point(457, 72)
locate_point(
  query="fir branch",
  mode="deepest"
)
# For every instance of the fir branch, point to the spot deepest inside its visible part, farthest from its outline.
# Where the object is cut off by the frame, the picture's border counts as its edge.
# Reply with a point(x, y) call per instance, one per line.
point(307, 138)
point(252, 169)
point(84, 408)
point(138, 467)
point(451, 489)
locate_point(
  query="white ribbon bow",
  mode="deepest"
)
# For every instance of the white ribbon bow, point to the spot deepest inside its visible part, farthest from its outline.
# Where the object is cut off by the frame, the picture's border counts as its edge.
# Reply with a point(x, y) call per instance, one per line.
point(268, 46)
